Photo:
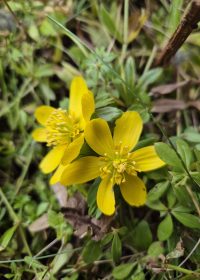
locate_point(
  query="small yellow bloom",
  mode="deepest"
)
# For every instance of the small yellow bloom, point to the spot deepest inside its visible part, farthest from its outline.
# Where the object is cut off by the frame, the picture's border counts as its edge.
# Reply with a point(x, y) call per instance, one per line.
point(116, 164)
point(63, 130)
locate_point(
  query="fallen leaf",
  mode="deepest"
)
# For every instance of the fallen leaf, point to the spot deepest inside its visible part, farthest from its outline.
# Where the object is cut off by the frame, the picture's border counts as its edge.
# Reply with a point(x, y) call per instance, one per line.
point(168, 88)
point(39, 224)
point(78, 203)
point(195, 104)
point(61, 194)
point(168, 105)
point(177, 252)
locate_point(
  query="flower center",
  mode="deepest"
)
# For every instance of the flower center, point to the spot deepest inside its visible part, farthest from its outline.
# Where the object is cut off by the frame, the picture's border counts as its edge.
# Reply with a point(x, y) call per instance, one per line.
point(118, 164)
point(61, 128)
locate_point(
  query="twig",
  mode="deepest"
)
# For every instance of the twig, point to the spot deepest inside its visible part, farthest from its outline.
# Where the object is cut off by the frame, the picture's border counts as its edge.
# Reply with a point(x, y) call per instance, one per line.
point(186, 26)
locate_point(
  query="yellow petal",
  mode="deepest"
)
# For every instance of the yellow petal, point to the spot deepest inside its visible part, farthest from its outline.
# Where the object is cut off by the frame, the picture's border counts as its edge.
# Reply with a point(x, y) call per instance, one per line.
point(52, 159)
point(128, 129)
point(77, 89)
point(81, 170)
point(146, 159)
point(106, 197)
point(88, 105)
point(42, 113)
point(98, 136)
point(39, 134)
point(133, 191)
point(57, 174)
point(73, 150)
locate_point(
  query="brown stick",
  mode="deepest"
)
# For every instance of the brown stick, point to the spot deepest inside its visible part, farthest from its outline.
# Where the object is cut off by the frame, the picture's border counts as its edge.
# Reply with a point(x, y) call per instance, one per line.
point(186, 26)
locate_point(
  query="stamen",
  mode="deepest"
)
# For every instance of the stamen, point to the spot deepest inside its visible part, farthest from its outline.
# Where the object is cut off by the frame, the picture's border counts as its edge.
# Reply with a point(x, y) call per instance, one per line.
point(61, 128)
point(119, 164)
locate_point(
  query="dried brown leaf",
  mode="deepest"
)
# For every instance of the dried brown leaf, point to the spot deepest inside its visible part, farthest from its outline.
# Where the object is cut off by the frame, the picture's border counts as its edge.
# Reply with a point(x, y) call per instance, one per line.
point(77, 203)
point(168, 88)
point(168, 105)
point(39, 224)
point(61, 194)
point(195, 104)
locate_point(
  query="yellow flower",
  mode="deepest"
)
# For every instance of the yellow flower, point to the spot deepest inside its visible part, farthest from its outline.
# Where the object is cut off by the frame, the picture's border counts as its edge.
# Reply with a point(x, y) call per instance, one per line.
point(116, 164)
point(63, 130)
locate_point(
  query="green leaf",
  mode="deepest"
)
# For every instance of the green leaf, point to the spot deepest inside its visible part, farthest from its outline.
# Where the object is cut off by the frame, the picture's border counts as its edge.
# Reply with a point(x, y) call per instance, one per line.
point(107, 20)
point(91, 252)
point(108, 113)
point(156, 205)
point(185, 152)
point(130, 72)
point(174, 15)
point(116, 249)
point(33, 32)
point(182, 209)
point(144, 112)
point(138, 276)
point(47, 29)
point(192, 136)
point(149, 77)
point(142, 236)
point(62, 259)
point(59, 223)
point(158, 191)
point(187, 219)
point(107, 238)
point(156, 249)
point(168, 155)
point(165, 228)
point(123, 270)
point(182, 196)
point(6, 237)
point(171, 198)
point(34, 263)
point(44, 70)
point(71, 35)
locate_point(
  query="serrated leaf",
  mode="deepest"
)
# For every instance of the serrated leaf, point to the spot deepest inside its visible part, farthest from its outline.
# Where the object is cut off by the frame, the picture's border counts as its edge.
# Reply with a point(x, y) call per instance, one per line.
point(165, 228)
point(123, 270)
point(168, 155)
point(187, 219)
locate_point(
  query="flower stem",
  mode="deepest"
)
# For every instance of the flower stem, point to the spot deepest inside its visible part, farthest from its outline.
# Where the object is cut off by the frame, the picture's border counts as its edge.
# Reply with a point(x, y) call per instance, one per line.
point(180, 269)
